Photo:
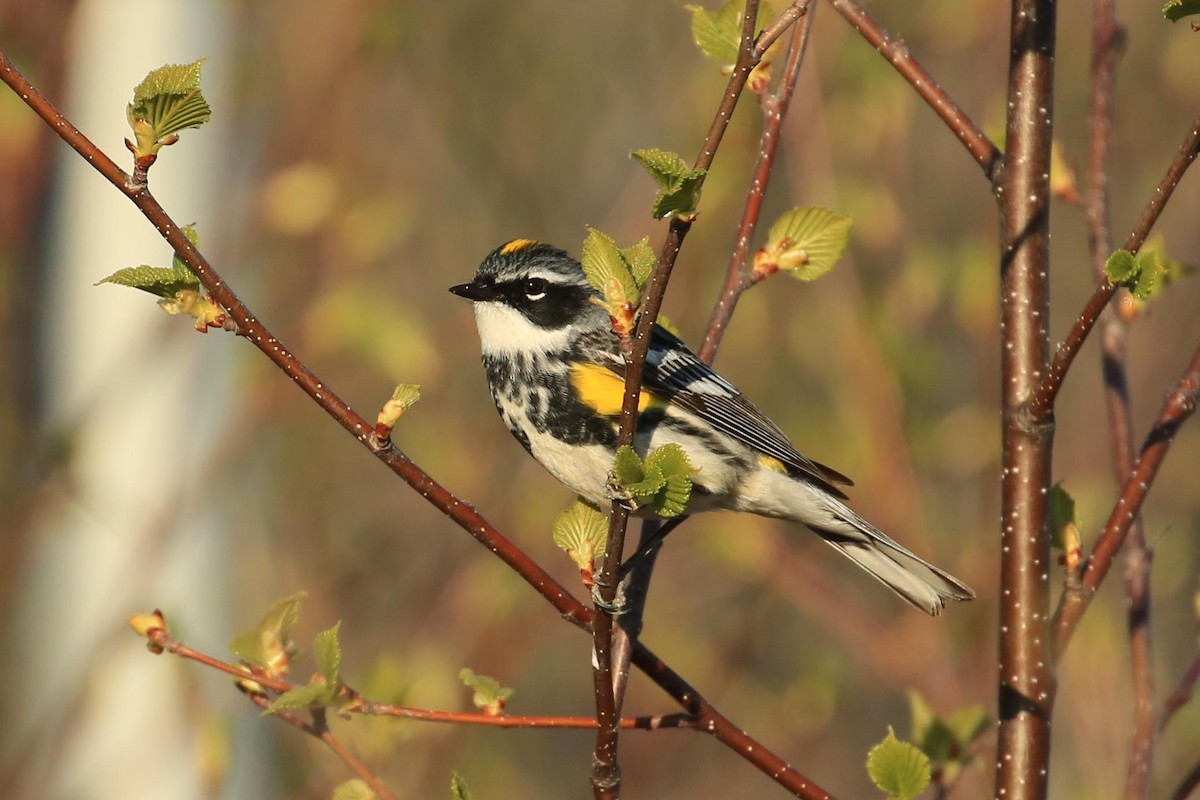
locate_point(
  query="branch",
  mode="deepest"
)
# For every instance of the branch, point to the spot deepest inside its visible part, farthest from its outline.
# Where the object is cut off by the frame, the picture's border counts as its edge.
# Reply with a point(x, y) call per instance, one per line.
point(606, 774)
point(1026, 690)
point(1042, 403)
point(460, 512)
point(981, 148)
point(1108, 42)
point(1182, 693)
point(257, 334)
point(775, 108)
point(1178, 405)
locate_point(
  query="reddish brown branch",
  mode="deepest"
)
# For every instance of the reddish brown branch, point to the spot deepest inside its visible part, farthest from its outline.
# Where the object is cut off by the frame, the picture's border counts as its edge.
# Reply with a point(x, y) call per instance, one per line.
point(1108, 39)
point(606, 774)
point(1026, 690)
point(461, 513)
point(775, 108)
point(981, 148)
point(318, 729)
point(1178, 405)
point(1042, 403)
point(1182, 693)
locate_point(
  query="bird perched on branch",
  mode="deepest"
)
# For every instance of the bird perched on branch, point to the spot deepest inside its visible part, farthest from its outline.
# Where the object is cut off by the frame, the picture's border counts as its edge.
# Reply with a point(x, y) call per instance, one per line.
point(556, 375)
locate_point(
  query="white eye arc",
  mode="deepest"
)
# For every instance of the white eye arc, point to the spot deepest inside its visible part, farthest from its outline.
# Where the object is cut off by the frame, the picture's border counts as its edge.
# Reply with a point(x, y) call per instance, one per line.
point(534, 288)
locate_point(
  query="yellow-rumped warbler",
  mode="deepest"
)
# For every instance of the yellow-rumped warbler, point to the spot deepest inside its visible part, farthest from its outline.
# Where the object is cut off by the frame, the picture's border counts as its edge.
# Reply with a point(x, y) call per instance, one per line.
point(557, 379)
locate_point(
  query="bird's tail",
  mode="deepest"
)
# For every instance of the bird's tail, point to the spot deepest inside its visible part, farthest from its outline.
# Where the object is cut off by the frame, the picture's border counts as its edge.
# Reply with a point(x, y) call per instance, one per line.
point(916, 580)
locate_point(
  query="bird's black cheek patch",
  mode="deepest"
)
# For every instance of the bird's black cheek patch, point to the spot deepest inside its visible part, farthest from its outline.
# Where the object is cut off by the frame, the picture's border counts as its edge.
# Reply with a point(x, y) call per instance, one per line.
point(561, 306)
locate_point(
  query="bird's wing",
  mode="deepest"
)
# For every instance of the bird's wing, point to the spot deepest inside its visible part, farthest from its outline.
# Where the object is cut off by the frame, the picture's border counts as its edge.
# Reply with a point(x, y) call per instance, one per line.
point(672, 370)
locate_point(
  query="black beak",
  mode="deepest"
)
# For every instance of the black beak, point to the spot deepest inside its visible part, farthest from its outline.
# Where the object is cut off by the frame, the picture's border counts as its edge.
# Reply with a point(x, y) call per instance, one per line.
point(475, 290)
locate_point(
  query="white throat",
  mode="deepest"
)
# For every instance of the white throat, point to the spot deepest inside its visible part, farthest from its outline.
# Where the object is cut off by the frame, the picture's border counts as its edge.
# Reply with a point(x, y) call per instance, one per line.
point(505, 331)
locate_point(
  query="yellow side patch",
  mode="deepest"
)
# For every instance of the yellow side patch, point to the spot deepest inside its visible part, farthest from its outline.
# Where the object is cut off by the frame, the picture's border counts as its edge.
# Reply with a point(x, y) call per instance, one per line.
point(518, 244)
point(601, 390)
point(771, 463)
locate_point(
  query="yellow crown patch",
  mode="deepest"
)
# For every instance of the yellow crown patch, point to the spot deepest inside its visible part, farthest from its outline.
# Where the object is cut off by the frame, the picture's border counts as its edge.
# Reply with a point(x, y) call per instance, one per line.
point(518, 244)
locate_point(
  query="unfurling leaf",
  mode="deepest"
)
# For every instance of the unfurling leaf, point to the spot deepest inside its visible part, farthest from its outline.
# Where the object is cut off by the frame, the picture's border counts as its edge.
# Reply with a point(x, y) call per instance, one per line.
point(582, 532)
point(404, 397)
point(270, 644)
point(641, 259)
point(662, 483)
point(1062, 514)
point(898, 768)
point(318, 693)
point(679, 184)
point(807, 242)
point(610, 272)
point(1141, 274)
point(489, 696)
point(328, 652)
point(166, 102)
point(177, 288)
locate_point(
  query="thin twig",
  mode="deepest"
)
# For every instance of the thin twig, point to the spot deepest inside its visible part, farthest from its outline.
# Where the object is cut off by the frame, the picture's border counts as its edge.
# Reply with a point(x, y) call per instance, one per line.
point(1041, 405)
point(1178, 406)
point(1108, 40)
point(981, 148)
point(320, 730)
point(1182, 693)
point(606, 774)
point(355, 703)
point(1189, 783)
point(775, 108)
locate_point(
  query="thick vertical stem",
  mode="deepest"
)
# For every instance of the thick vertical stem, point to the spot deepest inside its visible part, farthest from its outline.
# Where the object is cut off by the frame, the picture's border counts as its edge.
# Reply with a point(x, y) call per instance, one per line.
point(1026, 689)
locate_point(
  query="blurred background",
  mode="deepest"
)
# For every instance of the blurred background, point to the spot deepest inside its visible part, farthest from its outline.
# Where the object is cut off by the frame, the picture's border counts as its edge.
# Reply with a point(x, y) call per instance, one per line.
point(363, 157)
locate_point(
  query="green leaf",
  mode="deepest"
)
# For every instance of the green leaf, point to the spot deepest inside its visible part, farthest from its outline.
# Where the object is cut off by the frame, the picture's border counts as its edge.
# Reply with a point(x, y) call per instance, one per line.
point(328, 652)
point(1062, 513)
point(270, 645)
point(1120, 266)
point(672, 463)
point(641, 259)
point(490, 697)
point(166, 102)
point(606, 270)
point(679, 184)
point(1176, 10)
point(353, 789)
point(635, 476)
point(164, 282)
point(1141, 274)
point(458, 787)
point(807, 242)
point(315, 694)
point(898, 768)
point(719, 35)
point(662, 482)
point(582, 532)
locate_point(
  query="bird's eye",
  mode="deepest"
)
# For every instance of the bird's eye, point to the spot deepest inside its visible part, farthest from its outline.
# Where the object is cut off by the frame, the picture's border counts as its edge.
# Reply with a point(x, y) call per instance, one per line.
point(535, 288)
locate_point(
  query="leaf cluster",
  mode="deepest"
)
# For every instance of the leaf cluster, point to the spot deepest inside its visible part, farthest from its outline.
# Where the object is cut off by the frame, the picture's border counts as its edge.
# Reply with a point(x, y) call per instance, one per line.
point(619, 274)
point(662, 482)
